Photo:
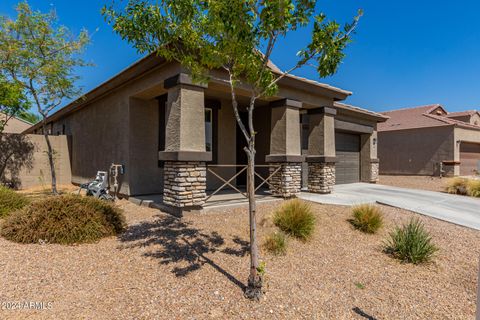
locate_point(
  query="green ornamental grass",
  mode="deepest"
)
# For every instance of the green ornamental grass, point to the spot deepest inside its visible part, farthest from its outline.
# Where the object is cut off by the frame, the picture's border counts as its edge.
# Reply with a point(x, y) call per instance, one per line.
point(295, 217)
point(276, 243)
point(367, 218)
point(11, 201)
point(411, 243)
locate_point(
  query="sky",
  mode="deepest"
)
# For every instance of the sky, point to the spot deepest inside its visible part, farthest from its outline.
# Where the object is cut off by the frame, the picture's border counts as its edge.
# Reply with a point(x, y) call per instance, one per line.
point(405, 53)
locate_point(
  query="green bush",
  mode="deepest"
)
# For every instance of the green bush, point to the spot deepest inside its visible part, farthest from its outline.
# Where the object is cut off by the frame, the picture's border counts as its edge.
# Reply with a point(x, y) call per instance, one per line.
point(11, 201)
point(411, 243)
point(457, 186)
point(367, 218)
point(295, 218)
point(65, 219)
point(473, 188)
point(276, 243)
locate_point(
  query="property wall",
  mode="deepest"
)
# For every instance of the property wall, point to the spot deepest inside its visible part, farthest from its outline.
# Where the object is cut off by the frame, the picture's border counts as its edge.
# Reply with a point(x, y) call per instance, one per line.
point(15, 125)
point(416, 151)
point(36, 171)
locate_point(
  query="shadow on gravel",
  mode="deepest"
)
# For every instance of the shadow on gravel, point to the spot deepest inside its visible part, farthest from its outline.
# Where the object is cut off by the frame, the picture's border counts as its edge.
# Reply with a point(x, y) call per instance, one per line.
point(363, 314)
point(175, 241)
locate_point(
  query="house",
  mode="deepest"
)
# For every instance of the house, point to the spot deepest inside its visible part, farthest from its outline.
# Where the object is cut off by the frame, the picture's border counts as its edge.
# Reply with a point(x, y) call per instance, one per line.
point(428, 140)
point(169, 132)
point(14, 124)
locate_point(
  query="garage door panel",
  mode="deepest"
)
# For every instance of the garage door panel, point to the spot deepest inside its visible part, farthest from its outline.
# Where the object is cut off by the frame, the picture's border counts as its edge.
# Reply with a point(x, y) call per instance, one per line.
point(347, 168)
point(469, 158)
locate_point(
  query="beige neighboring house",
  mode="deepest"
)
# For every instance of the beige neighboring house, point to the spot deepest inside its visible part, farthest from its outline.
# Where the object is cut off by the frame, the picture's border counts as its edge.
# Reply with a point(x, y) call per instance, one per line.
point(167, 130)
point(428, 139)
point(14, 125)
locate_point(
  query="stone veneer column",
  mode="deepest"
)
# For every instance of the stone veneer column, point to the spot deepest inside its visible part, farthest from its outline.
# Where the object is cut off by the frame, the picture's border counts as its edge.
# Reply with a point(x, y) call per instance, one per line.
point(285, 148)
point(184, 154)
point(321, 150)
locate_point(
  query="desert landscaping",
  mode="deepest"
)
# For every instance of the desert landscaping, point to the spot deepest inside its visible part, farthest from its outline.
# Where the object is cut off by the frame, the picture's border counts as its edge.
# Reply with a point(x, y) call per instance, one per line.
point(162, 267)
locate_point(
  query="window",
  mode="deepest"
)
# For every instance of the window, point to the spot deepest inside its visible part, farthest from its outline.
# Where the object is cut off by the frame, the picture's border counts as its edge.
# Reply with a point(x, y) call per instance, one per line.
point(208, 129)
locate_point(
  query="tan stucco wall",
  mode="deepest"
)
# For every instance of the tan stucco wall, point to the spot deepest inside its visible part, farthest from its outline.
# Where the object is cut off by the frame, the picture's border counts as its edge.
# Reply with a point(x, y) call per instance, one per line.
point(285, 131)
point(416, 152)
point(38, 174)
point(14, 125)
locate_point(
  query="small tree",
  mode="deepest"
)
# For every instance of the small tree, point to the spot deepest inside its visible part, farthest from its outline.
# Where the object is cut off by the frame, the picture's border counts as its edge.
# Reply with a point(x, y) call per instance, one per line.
point(40, 56)
point(237, 36)
point(12, 102)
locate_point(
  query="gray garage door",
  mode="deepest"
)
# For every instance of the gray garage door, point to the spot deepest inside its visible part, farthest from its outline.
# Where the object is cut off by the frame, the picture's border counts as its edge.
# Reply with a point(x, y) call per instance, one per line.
point(347, 168)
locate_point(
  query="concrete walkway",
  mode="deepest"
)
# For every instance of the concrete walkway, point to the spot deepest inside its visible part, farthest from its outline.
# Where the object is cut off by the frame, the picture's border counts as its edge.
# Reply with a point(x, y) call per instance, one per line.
point(460, 210)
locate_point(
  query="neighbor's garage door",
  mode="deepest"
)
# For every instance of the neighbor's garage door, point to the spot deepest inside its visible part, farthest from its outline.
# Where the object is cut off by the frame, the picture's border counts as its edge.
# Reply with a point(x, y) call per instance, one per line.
point(469, 158)
point(347, 168)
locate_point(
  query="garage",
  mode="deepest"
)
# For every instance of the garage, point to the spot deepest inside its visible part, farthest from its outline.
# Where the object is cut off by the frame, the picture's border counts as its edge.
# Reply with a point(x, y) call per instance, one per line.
point(347, 168)
point(469, 158)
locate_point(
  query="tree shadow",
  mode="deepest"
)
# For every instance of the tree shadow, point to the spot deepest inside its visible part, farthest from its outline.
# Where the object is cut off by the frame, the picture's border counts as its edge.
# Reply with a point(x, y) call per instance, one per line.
point(179, 243)
point(363, 314)
point(16, 152)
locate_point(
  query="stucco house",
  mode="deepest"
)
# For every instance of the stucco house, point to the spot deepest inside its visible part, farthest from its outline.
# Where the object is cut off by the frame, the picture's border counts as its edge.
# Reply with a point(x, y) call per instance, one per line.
point(14, 124)
point(429, 140)
point(168, 131)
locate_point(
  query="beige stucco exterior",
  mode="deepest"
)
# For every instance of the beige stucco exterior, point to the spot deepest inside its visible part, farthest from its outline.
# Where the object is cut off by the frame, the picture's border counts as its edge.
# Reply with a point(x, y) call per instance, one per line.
point(14, 125)
point(120, 122)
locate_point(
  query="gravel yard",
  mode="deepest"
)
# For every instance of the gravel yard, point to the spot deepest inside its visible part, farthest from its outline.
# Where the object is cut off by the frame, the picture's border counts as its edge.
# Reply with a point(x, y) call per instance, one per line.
point(194, 268)
point(415, 182)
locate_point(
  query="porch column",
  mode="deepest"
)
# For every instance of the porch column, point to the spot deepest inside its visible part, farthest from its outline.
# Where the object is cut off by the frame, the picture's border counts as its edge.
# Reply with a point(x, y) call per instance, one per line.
point(285, 148)
point(184, 155)
point(368, 157)
point(321, 150)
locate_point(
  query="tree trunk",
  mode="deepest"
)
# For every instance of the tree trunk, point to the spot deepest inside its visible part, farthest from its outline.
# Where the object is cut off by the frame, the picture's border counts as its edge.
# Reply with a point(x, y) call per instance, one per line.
point(50, 156)
point(255, 281)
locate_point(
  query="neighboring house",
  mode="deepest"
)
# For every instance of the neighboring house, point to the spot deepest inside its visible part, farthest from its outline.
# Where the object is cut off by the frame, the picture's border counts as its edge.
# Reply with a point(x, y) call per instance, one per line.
point(14, 125)
point(426, 140)
point(167, 130)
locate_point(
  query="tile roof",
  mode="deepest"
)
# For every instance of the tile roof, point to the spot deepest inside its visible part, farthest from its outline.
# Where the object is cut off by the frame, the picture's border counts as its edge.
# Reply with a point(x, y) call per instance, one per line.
point(461, 113)
point(421, 117)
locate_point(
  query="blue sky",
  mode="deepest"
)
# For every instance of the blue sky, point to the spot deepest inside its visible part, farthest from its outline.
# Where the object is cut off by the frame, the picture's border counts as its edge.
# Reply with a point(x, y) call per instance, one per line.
point(405, 53)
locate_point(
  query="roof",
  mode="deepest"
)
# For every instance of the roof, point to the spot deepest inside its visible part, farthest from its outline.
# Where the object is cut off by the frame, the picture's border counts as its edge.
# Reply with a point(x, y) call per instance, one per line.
point(462, 113)
point(15, 124)
point(147, 64)
point(427, 116)
point(349, 107)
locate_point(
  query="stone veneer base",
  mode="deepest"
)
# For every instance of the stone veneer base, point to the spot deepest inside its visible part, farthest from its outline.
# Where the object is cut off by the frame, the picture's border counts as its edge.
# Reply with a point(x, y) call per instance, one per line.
point(321, 177)
point(287, 182)
point(185, 184)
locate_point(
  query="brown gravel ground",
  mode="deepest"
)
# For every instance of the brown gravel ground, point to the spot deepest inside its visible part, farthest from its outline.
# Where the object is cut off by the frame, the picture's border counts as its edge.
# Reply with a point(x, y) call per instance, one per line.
point(415, 182)
point(194, 268)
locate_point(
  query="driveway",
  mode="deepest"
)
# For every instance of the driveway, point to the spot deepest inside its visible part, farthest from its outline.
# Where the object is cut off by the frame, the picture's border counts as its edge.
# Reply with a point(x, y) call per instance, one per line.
point(460, 210)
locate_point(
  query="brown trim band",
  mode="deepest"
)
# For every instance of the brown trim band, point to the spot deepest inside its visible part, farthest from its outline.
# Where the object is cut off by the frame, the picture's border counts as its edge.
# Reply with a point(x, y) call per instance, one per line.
point(323, 110)
point(450, 162)
point(321, 159)
point(284, 158)
point(182, 78)
point(374, 160)
point(286, 103)
point(185, 156)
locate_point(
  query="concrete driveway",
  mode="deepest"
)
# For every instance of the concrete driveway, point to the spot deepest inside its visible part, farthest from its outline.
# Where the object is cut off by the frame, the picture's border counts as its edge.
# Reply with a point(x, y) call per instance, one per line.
point(460, 210)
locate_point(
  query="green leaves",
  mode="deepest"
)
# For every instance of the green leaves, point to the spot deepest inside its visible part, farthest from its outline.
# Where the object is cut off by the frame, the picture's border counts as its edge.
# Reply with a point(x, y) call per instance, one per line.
point(39, 57)
point(235, 35)
point(12, 101)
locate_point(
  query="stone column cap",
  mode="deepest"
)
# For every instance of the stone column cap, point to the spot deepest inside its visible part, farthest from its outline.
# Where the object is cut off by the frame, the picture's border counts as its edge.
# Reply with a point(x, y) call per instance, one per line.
point(284, 158)
point(321, 159)
point(286, 103)
point(200, 156)
point(323, 110)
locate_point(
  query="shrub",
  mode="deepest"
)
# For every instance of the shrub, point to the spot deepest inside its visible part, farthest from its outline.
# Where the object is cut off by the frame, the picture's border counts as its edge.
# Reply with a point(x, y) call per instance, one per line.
point(457, 186)
point(276, 243)
point(11, 201)
point(65, 219)
point(296, 218)
point(367, 218)
point(473, 188)
point(411, 243)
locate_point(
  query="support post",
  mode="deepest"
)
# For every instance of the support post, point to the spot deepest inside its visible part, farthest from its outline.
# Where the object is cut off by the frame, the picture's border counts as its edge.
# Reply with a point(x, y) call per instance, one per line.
point(185, 155)
point(285, 148)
